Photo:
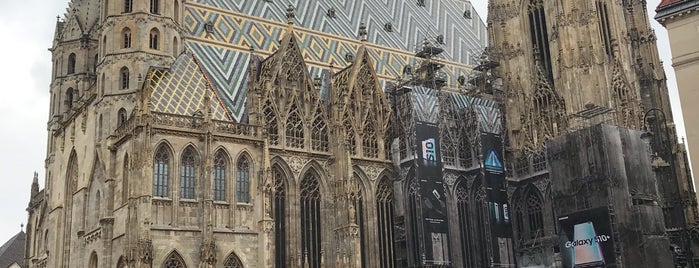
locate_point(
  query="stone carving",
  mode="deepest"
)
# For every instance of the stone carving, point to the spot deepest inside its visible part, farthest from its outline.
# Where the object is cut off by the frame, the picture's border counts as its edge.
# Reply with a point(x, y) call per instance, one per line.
point(372, 172)
point(296, 164)
point(208, 252)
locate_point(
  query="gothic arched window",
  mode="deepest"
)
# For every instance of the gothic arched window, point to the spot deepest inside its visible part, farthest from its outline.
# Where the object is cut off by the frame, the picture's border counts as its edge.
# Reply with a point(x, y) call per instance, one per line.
point(294, 129)
point(279, 212)
point(319, 134)
point(539, 35)
point(69, 98)
point(310, 221)
point(126, 38)
point(128, 6)
point(175, 47)
point(174, 260)
point(220, 164)
point(529, 215)
point(465, 154)
point(414, 219)
point(125, 180)
point(272, 123)
point(124, 78)
point(351, 138)
point(448, 150)
point(462, 207)
point(154, 39)
point(155, 6)
point(370, 145)
point(232, 261)
point(356, 201)
point(188, 173)
point(161, 171)
point(93, 260)
point(243, 180)
point(605, 31)
point(71, 63)
point(482, 227)
point(121, 117)
point(384, 216)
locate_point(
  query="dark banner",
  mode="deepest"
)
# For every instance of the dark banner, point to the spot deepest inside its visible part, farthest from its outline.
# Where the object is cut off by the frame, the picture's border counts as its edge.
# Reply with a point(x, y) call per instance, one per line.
point(434, 205)
point(585, 239)
point(496, 198)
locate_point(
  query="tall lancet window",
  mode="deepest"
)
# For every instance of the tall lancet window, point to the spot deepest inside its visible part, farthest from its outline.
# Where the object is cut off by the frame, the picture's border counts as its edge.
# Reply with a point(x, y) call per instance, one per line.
point(188, 174)
point(357, 212)
point(278, 210)
point(272, 124)
point(294, 129)
point(539, 35)
point(319, 134)
point(384, 216)
point(482, 227)
point(242, 180)
point(220, 164)
point(605, 30)
point(310, 221)
point(462, 206)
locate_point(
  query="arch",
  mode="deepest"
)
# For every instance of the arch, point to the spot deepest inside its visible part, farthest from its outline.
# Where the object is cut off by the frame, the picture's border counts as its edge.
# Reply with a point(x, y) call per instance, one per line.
point(174, 260)
point(319, 134)
point(528, 210)
point(232, 261)
point(188, 172)
point(161, 170)
point(121, 117)
point(124, 78)
point(482, 224)
point(272, 123)
point(370, 144)
point(310, 207)
point(71, 63)
point(70, 95)
point(357, 207)
point(175, 47)
point(154, 39)
point(317, 168)
point(465, 223)
point(384, 216)
point(93, 260)
point(72, 174)
point(295, 136)
point(125, 38)
point(221, 161)
point(539, 36)
point(243, 169)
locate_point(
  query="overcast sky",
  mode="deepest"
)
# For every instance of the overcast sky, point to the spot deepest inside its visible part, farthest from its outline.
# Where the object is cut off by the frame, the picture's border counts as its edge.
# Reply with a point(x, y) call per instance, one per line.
point(27, 29)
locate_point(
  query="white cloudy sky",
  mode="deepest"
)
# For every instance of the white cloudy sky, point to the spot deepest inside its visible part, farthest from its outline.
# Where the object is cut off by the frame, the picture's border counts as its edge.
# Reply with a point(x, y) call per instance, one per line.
point(27, 28)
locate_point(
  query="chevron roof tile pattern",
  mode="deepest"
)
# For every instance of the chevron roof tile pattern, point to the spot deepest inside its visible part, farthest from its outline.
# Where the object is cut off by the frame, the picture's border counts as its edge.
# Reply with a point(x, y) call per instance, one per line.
point(182, 89)
point(425, 107)
point(239, 25)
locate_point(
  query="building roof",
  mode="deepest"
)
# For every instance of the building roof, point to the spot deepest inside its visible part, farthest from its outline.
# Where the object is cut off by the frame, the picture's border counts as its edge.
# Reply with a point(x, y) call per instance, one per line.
point(668, 9)
point(13, 251)
point(666, 3)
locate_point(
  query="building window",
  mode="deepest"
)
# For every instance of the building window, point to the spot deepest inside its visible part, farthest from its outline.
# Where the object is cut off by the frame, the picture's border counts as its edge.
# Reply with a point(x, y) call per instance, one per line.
point(188, 173)
point(175, 47)
point(310, 221)
point(69, 98)
point(529, 217)
point(124, 78)
point(482, 227)
point(370, 145)
point(272, 124)
point(232, 261)
point(356, 202)
point(174, 260)
point(294, 129)
point(464, 215)
point(539, 36)
point(243, 180)
point(71, 63)
point(126, 38)
point(161, 171)
point(155, 6)
point(351, 138)
point(220, 163)
point(319, 134)
point(605, 31)
point(448, 150)
point(125, 180)
point(384, 214)
point(279, 212)
point(154, 39)
point(128, 6)
point(122, 117)
point(465, 154)
point(93, 260)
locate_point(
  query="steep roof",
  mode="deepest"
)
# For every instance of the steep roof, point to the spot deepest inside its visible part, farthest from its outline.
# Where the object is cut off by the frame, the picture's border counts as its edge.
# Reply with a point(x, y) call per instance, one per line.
point(13, 251)
point(666, 3)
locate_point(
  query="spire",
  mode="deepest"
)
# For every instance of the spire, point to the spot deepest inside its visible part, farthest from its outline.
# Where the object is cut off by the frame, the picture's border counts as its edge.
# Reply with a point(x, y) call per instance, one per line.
point(35, 184)
point(290, 15)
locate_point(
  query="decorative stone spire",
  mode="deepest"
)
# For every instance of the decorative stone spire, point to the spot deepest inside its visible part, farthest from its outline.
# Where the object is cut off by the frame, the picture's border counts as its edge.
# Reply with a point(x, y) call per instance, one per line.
point(362, 32)
point(290, 15)
point(35, 185)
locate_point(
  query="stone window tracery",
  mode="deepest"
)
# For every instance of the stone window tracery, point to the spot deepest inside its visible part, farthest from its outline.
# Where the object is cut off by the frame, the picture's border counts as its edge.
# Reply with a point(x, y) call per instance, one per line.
point(351, 138)
point(71, 63)
point(174, 260)
point(529, 216)
point(310, 221)
point(370, 145)
point(319, 134)
point(161, 171)
point(154, 39)
point(539, 35)
point(220, 167)
point(605, 30)
point(465, 153)
point(279, 209)
point(188, 174)
point(462, 207)
point(448, 150)
point(294, 129)
point(271, 123)
point(356, 201)
point(232, 261)
point(482, 226)
point(243, 180)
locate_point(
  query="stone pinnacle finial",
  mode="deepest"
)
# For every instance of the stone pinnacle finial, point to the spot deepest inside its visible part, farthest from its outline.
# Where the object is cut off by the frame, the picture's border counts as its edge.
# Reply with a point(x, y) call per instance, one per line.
point(290, 14)
point(362, 31)
point(425, 43)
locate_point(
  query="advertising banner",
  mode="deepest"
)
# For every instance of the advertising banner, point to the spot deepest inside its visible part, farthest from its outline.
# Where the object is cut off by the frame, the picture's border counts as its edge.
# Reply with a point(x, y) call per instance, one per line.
point(586, 240)
point(434, 206)
point(496, 198)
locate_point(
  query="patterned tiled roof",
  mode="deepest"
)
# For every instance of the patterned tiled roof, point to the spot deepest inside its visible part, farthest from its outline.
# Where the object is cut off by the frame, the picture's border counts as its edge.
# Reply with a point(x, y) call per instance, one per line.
point(183, 88)
point(223, 49)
